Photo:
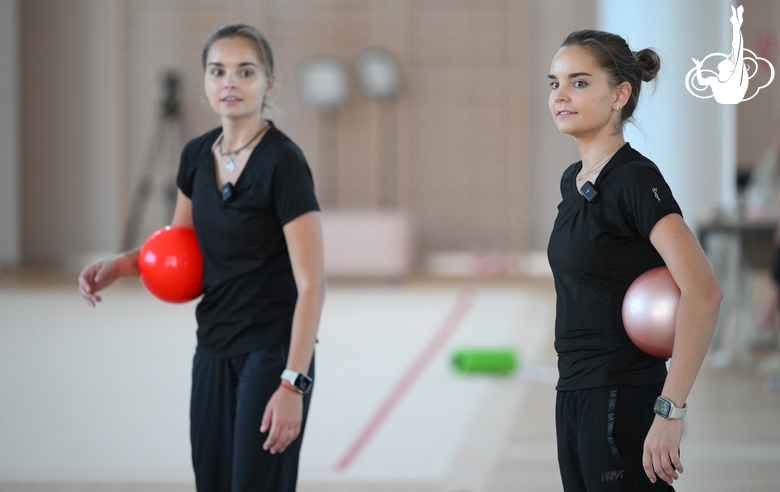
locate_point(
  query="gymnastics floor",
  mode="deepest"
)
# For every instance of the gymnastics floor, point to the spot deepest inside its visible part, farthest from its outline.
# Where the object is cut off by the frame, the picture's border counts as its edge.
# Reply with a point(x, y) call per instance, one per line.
point(101, 395)
point(97, 400)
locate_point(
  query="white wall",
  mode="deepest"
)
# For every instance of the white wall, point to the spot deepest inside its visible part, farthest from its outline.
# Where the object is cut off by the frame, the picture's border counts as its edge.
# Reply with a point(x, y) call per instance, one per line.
point(693, 141)
point(10, 233)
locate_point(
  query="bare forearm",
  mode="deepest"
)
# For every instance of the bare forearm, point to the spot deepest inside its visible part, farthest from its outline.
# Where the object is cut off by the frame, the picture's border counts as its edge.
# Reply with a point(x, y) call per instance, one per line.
point(696, 318)
point(127, 263)
point(306, 321)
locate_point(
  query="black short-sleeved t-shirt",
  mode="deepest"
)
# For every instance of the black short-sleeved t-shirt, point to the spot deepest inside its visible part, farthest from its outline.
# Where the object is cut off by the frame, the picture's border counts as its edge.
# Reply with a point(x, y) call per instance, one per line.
point(249, 292)
point(596, 251)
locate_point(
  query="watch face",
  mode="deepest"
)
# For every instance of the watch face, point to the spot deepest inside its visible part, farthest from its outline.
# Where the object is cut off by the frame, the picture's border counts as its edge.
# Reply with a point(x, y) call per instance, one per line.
point(662, 407)
point(303, 383)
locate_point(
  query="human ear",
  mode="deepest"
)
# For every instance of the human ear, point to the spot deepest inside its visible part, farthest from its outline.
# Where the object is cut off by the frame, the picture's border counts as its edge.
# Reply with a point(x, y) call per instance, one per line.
point(622, 94)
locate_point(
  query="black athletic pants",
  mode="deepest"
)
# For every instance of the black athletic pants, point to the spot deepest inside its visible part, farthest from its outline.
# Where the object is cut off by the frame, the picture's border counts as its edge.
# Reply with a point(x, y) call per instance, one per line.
point(601, 434)
point(229, 396)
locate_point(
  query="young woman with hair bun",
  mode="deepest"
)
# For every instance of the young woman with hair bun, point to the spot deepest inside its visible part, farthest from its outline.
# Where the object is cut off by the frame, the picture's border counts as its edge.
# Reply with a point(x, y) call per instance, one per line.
point(617, 219)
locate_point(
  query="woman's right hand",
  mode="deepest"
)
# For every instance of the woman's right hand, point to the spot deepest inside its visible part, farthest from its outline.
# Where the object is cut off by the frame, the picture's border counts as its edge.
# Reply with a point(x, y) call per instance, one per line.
point(98, 276)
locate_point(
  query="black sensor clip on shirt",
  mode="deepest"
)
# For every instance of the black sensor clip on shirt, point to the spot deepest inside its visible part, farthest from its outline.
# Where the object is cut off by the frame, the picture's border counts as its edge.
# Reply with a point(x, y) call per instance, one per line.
point(589, 192)
point(227, 192)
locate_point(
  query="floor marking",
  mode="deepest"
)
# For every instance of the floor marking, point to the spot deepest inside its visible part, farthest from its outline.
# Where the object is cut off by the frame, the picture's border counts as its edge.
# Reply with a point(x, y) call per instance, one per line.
point(451, 324)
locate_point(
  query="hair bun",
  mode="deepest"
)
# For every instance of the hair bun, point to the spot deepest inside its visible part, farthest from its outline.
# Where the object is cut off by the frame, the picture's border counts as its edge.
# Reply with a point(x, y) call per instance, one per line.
point(649, 63)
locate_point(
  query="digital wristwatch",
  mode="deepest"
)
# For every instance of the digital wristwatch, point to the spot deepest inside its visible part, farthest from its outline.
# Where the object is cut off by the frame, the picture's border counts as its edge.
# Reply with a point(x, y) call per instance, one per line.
point(666, 410)
point(300, 382)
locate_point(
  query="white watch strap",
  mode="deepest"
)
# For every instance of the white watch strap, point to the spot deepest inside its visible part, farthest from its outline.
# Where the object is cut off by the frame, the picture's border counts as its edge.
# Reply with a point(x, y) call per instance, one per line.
point(678, 412)
point(290, 375)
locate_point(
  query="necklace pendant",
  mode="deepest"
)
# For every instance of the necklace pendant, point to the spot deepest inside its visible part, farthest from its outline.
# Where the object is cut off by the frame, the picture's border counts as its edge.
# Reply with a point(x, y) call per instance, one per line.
point(230, 166)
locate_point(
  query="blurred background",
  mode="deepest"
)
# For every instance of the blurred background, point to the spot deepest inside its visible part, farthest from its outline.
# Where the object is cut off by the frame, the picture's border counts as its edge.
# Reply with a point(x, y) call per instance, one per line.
point(464, 147)
point(426, 126)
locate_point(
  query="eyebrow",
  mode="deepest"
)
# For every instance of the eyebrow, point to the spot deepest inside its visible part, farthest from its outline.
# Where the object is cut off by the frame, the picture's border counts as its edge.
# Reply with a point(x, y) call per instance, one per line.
point(572, 75)
point(240, 64)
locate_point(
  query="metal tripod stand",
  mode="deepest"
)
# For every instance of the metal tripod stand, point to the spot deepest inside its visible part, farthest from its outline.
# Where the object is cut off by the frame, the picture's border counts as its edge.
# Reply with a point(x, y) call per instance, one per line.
point(161, 162)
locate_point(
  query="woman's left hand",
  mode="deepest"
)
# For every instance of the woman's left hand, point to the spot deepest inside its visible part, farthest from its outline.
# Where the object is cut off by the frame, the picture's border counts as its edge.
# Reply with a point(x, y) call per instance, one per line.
point(283, 416)
point(662, 450)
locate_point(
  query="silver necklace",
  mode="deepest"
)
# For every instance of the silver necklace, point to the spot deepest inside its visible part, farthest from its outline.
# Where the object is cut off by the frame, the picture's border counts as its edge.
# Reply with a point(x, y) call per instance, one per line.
point(601, 163)
point(231, 166)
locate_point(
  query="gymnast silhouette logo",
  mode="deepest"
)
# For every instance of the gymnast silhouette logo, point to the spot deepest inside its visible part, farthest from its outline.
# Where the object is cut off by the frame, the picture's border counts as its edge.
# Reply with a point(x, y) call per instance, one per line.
point(730, 84)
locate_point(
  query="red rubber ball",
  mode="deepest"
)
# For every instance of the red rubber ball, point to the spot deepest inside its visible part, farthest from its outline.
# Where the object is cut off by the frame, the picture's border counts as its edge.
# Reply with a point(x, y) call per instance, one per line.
point(171, 265)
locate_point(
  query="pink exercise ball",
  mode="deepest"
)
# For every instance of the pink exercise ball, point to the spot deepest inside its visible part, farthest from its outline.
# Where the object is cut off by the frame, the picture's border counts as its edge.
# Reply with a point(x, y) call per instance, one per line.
point(650, 312)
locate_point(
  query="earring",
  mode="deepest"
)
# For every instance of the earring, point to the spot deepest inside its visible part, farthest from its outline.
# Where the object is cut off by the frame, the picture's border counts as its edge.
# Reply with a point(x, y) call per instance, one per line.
point(617, 108)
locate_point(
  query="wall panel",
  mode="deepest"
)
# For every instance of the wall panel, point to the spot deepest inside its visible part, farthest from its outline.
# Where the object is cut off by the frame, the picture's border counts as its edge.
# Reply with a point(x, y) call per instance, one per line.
point(463, 121)
point(66, 129)
point(450, 150)
point(10, 195)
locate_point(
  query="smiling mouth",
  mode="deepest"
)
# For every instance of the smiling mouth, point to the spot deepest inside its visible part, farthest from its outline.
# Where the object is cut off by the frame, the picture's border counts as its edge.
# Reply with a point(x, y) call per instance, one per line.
point(231, 99)
point(565, 113)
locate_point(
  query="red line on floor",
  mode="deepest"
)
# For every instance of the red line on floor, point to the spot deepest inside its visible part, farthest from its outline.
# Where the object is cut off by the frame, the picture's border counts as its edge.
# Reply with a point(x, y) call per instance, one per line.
point(451, 324)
